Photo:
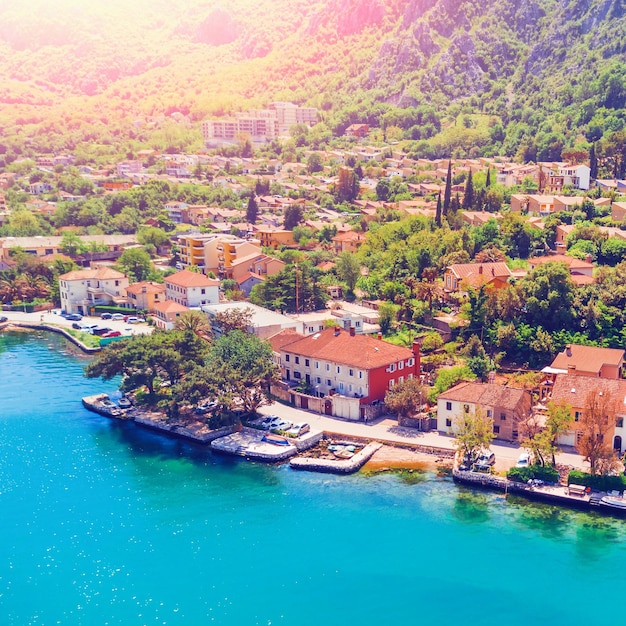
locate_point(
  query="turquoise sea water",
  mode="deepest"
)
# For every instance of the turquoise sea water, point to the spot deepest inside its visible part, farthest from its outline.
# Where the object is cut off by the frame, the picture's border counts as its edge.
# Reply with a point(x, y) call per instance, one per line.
point(106, 523)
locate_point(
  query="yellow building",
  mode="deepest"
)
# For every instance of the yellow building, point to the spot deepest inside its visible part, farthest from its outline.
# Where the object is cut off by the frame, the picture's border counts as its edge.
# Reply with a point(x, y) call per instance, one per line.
point(275, 238)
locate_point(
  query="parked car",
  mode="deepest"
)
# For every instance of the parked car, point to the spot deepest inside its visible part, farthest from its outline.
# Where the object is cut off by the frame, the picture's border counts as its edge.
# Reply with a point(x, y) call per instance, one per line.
point(282, 425)
point(132, 319)
point(77, 326)
point(74, 317)
point(299, 429)
point(206, 407)
point(106, 316)
point(112, 333)
point(118, 317)
point(485, 461)
point(267, 423)
point(524, 460)
point(3, 319)
point(98, 330)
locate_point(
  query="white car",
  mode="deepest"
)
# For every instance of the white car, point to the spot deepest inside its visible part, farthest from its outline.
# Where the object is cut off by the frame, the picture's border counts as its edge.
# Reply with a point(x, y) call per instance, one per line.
point(299, 429)
point(118, 317)
point(524, 460)
point(281, 425)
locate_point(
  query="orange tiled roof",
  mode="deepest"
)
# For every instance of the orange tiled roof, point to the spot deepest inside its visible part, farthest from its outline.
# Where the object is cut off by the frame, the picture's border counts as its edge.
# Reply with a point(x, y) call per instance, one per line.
point(574, 390)
point(465, 270)
point(169, 306)
point(588, 358)
point(148, 286)
point(486, 394)
point(186, 278)
point(572, 262)
point(360, 351)
point(102, 273)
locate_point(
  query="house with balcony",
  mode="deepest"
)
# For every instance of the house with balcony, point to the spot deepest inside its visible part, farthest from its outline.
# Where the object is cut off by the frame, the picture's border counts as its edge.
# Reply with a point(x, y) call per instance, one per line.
point(506, 406)
point(343, 372)
point(192, 289)
point(166, 313)
point(81, 290)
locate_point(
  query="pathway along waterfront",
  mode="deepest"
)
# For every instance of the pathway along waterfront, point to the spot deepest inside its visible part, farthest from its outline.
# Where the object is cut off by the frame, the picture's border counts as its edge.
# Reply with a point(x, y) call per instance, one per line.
point(107, 523)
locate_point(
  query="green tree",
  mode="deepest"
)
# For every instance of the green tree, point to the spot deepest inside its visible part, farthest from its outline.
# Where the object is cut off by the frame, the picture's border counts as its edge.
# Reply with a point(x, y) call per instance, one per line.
point(473, 432)
point(447, 194)
point(293, 216)
point(314, 163)
point(348, 269)
point(252, 212)
point(406, 398)
point(135, 263)
point(233, 319)
point(468, 196)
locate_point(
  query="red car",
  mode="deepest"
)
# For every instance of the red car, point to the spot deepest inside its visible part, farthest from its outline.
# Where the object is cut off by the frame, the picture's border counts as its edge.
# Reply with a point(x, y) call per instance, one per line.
point(112, 333)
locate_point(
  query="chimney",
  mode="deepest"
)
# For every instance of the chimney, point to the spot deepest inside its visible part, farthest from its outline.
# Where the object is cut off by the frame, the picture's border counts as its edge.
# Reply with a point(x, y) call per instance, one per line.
point(380, 336)
point(337, 331)
point(568, 350)
point(589, 258)
point(418, 360)
point(480, 269)
point(352, 331)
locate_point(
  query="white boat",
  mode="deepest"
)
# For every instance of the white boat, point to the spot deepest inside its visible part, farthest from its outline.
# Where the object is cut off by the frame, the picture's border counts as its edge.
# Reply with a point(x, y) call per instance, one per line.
point(614, 502)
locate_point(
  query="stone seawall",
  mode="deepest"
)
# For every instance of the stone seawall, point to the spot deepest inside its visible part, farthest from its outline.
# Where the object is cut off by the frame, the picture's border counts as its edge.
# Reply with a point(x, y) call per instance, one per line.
point(347, 466)
point(479, 479)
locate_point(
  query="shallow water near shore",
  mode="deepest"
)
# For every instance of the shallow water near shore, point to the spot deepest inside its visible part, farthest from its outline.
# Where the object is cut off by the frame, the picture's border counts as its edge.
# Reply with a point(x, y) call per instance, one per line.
point(104, 522)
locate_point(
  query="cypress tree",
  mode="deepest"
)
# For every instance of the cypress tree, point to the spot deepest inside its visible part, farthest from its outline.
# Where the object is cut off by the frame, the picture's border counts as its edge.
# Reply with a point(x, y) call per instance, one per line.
point(593, 162)
point(438, 211)
point(488, 181)
point(252, 211)
point(447, 194)
point(468, 198)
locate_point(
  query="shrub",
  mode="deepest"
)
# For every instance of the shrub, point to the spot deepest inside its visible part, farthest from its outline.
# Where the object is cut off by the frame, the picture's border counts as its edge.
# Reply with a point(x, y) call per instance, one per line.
point(547, 473)
point(600, 483)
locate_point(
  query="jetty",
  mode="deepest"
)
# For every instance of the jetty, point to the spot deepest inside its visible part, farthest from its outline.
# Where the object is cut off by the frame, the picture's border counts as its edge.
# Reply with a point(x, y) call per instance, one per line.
point(339, 466)
point(571, 496)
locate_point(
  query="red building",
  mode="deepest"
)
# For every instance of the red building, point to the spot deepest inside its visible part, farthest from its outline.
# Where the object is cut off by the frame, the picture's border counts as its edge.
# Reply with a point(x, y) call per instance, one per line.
point(354, 370)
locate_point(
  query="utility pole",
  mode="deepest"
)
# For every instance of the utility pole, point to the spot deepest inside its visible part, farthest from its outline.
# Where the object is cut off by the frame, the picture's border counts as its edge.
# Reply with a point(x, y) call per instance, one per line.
point(297, 294)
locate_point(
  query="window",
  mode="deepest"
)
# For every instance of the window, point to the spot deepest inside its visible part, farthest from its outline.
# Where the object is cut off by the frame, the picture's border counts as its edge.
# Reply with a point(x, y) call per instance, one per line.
point(448, 423)
point(410, 376)
point(503, 417)
point(328, 382)
point(620, 422)
point(351, 372)
point(287, 358)
point(317, 365)
point(392, 367)
point(338, 370)
point(297, 375)
point(340, 387)
point(360, 374)
point(392, 382)
point(489, 413)
point(577, 415)
point(328, 367)
point(318, 380)
point(496, 430)
point(311, 329)
point(410, 362)
point(448, 406)
point(466, 408)
point(401, 365)
point(306, 362)
point(203, 291)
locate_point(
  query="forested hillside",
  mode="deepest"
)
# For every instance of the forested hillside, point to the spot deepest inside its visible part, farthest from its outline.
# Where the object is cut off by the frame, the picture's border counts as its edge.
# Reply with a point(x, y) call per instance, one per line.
point(450, 76)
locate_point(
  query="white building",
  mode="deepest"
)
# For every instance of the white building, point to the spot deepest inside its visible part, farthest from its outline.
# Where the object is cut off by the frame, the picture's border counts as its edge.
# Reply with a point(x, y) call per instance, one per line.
point(82, 289)
point(192, 289)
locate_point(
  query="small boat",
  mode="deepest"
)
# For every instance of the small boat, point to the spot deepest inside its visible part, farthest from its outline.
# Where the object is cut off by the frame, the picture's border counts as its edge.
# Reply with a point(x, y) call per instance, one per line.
point(613, 502)
point(343, 453)
point(277, 440)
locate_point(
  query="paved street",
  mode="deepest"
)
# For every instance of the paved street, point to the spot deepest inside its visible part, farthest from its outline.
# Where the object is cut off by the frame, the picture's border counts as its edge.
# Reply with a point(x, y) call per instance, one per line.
point(386, 429)
point(55, 319)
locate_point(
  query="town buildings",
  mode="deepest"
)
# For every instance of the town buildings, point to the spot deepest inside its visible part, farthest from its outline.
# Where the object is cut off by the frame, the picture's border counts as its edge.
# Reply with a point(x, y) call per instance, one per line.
point(192, 289)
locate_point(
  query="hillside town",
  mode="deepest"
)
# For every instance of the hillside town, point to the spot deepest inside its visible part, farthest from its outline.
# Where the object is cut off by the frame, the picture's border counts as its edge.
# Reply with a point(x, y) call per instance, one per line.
point(477, 284)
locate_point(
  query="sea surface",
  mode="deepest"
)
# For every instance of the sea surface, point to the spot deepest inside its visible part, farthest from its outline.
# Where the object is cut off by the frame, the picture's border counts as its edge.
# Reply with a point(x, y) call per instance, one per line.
point(103, 522)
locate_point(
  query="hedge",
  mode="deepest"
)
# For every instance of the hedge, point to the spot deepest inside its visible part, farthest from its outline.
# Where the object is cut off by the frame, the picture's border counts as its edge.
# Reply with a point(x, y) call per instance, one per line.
point(599, 483)
point(547, 473)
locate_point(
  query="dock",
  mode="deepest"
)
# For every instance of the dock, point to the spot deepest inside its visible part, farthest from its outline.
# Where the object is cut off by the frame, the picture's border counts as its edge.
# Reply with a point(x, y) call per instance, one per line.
point(249, 443)
point(341, 466)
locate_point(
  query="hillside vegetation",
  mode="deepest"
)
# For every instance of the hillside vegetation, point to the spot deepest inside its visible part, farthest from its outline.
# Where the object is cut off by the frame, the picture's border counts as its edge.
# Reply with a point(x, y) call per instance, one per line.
point(450, 76)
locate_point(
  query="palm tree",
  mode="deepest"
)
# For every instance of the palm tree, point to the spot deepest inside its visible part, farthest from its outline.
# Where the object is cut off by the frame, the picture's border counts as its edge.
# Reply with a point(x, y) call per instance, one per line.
point(194, 322)
point(10, 289)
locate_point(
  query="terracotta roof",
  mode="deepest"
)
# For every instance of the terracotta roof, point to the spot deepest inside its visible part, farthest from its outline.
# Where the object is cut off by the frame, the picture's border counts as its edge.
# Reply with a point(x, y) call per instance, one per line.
point(145, 286)
point(572, 262)
point(169, 306)
point(587, 358)
point(186, 278)
point(575, 389)
point(102, 273)
point(284, 338)
point(465, 270)
point(360, 351)
point(486, 394)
